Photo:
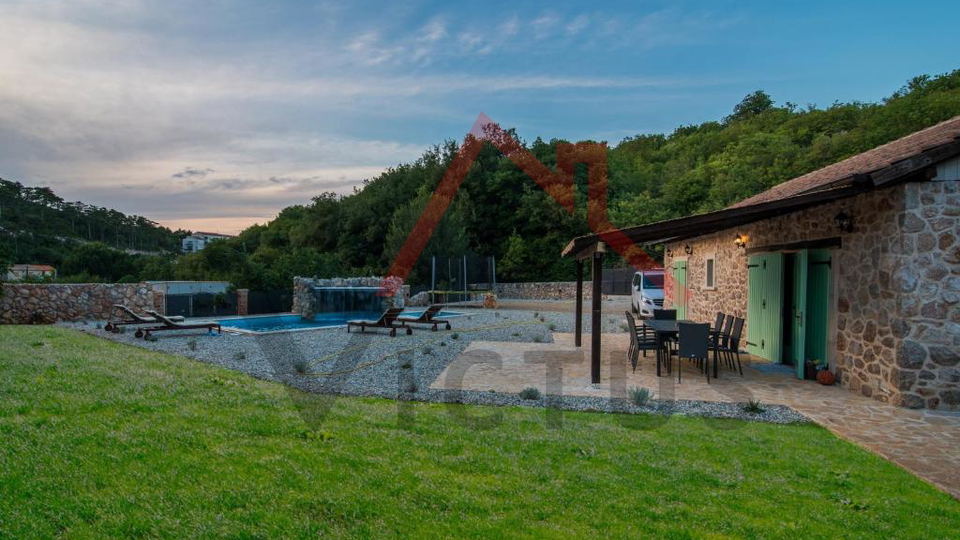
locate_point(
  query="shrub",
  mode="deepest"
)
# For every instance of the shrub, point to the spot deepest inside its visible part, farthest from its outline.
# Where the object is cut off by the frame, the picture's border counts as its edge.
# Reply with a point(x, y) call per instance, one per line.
point(301, 366)
point(552, 327)
point(639, 396)
point(536, 314)
point(515, 334)
point(192, 344)
point(530, 393)
point(406, 365)
point(443, 343)
point(454, 336)
point(754, 406)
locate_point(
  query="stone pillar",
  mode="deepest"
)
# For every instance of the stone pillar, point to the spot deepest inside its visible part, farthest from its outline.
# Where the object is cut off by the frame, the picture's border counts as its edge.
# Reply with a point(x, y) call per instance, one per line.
point(160, 302)
point(243, 305)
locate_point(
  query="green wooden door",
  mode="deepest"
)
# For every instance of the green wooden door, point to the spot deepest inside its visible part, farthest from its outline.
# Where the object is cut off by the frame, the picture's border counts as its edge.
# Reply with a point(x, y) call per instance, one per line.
point(818, 304)
point(798, 312)
point(765, 306)
point(680, 288)
point(755, 267)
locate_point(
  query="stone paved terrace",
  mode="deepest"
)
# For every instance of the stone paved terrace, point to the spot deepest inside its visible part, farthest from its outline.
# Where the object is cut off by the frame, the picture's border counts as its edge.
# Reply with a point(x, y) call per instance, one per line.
point(924, 442)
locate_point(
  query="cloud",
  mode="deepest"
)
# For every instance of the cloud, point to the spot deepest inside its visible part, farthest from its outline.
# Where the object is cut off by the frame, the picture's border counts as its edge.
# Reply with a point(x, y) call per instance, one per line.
point(191, 172)
point(509, 27)
point(221, 112)
point(433, 31)
point(577, 25)
point(544, 25)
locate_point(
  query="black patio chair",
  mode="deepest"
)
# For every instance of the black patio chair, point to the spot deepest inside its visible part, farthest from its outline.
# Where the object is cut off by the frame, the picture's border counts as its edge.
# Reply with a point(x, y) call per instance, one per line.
point(641, 339)
point(694, 344)
point(718, 323)
point(720, 337)
point(665, 314)
point(731, 345)
point(723, 339)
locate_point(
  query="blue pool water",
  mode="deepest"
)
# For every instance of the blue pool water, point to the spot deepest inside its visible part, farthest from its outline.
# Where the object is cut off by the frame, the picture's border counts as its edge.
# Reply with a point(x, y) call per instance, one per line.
point(275, 323)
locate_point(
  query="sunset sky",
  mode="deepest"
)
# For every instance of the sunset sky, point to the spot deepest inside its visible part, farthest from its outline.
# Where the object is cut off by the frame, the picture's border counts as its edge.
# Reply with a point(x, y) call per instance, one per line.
point(215, 115)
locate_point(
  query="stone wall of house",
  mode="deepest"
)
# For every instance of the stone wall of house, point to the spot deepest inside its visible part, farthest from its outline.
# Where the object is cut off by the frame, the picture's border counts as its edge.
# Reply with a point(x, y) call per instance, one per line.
point(929, 284)
point(304, 299)
point(896, 284)
point(24, 303)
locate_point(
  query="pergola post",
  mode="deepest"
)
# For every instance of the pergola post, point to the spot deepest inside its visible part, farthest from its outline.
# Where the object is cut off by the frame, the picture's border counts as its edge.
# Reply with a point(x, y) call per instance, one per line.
point(578, 333)
point(595, 320)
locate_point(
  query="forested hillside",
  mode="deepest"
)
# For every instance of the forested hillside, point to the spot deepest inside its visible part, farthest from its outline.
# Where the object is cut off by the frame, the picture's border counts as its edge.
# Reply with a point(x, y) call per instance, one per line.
point(39, 227)
point(500, 211)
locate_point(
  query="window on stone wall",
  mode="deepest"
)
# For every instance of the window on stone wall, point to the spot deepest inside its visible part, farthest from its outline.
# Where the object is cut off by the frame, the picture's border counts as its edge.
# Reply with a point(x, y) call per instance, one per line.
point(710, 272)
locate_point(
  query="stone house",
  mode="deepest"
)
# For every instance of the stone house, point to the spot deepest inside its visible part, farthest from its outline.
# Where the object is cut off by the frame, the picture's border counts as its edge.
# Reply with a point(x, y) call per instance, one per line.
point(856, 265)
point(20, 272)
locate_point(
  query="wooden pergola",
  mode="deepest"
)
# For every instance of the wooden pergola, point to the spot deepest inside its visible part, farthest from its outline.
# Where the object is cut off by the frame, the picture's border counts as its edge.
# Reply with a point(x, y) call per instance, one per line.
point(595, 254)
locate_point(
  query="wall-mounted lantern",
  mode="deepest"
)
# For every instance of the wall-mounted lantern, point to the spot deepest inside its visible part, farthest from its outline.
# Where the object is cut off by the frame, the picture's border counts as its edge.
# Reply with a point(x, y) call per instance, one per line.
point(844, 222)
point(740, 241)
point(687, 249)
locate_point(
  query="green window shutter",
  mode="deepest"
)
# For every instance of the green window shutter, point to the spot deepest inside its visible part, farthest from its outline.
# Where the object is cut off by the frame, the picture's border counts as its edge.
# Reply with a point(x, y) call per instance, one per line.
point(764, 306)
point(680, 288)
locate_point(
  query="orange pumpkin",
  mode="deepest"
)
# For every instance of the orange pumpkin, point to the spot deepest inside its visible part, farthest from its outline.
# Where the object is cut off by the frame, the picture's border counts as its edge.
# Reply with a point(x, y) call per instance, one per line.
point(826, 377)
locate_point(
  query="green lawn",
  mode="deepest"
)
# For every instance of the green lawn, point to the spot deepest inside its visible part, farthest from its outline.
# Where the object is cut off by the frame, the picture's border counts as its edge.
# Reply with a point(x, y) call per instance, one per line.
point(103, 440)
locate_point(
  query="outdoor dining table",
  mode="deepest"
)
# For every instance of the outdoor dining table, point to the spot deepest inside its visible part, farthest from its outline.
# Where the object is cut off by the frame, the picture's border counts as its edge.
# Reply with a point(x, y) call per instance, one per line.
point(667, 329)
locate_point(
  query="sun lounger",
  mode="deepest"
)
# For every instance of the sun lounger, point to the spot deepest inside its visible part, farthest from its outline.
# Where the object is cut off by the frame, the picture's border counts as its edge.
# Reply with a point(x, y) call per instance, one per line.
point(427, 317)
point(167, 323)
point(132, 318)
point(387, 320)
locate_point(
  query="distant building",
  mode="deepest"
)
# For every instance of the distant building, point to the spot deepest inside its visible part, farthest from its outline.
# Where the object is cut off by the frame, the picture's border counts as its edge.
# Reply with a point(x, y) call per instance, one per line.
point(20, 272)
point(199, 240)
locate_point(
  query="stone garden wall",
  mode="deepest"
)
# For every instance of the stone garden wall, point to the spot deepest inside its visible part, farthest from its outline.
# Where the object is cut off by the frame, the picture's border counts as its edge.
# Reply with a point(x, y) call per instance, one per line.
point(544, 290)
point(896, 279)
point(27, 303)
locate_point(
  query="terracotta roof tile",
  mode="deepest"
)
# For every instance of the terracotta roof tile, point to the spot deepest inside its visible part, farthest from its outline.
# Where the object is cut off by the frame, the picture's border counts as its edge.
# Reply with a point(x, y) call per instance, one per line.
point(867, 162)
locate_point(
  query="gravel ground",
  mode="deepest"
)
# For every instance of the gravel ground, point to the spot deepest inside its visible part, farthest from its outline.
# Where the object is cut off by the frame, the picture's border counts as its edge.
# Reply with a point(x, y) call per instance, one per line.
point(332, 361)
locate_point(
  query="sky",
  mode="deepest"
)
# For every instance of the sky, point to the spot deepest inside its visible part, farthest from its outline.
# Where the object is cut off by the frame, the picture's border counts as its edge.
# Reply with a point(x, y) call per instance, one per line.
point(213, 115)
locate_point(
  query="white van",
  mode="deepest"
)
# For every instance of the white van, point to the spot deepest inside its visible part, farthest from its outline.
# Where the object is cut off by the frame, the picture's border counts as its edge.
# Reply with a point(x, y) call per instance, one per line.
point(646, 292)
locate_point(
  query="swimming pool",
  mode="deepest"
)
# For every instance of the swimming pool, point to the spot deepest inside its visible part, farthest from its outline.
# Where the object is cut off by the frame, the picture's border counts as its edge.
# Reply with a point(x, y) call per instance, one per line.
point(284, 323)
